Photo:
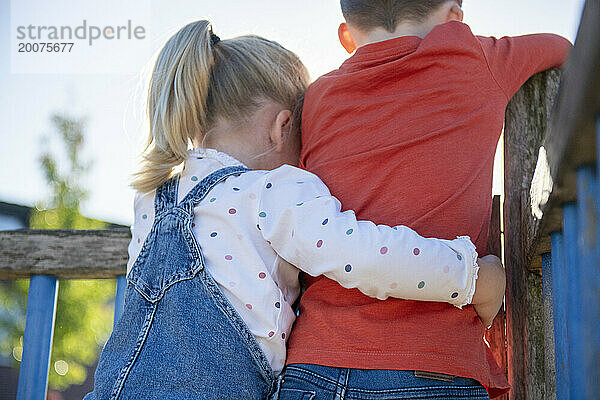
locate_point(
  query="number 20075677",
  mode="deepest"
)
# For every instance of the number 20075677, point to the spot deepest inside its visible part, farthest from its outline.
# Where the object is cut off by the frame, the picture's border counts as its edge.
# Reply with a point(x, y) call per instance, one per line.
point(44, 47)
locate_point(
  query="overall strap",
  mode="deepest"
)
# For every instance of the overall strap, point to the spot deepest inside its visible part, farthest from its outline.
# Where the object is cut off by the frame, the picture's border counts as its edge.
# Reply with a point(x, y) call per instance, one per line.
point(166, 195)
point(199, 191)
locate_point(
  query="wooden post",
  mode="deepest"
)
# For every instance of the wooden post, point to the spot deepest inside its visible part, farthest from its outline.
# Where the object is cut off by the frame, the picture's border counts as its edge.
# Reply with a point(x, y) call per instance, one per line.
point(560, 297)
point(583, 336)
point(548, 323)
point(119, 298)
point(37, 340)
point(571, 256)
point(571, 144)
point(496, 335)
point(526, 123)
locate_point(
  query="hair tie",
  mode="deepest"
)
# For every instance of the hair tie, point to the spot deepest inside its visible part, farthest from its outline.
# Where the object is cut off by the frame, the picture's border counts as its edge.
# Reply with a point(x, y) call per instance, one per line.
point(214, 39)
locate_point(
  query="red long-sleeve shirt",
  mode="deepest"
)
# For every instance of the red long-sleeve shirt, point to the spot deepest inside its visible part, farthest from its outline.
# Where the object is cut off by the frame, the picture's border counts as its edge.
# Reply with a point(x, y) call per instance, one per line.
point(405, 132)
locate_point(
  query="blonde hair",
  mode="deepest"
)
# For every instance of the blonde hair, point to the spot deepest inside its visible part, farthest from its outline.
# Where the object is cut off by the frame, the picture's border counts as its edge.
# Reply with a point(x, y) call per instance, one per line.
point(196, 82)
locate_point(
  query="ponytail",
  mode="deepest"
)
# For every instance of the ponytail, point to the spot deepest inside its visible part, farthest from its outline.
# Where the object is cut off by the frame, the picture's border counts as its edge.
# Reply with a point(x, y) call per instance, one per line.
point(176, 103)
point(198, 79)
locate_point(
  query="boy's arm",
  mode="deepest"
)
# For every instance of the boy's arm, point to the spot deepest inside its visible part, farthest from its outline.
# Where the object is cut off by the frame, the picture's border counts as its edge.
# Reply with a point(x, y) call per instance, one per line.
point(513, 60)
point(302, 221)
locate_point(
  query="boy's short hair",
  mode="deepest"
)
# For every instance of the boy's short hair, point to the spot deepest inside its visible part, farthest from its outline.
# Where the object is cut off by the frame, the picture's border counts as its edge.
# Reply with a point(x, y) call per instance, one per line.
point(296, 127)
point(370, 14)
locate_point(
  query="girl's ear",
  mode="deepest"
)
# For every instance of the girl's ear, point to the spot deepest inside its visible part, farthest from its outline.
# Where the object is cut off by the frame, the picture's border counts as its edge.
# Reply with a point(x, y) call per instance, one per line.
point(281, 128)
point(456, 13)
point(346, 38)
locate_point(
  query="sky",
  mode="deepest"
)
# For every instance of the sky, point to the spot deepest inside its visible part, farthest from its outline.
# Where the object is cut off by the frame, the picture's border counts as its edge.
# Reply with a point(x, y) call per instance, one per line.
point(111, 102)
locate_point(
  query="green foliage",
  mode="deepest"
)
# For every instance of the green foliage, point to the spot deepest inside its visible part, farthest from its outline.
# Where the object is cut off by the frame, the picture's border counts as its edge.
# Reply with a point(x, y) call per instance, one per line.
point(83, 323)
point(84, 307)
point(12, 317)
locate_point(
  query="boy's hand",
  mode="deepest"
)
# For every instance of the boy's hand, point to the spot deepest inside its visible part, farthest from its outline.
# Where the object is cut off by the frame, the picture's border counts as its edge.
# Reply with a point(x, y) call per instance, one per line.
point(489, 290)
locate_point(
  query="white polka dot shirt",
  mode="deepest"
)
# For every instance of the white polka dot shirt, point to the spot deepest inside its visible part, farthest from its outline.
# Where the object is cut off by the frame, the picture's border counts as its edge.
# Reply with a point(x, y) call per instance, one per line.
point(257, 230)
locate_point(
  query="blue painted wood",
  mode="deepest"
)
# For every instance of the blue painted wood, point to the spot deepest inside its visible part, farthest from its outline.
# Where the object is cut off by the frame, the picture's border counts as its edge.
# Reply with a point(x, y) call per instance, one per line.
point(593, 289)
point(584, 381)
point(571, 255)
point(559, 281)
point(119, 298)
point(37, 340)
point(548, 320)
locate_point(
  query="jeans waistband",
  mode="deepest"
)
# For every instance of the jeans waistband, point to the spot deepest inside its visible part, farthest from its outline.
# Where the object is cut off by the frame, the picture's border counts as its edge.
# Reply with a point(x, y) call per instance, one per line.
point(331, 377)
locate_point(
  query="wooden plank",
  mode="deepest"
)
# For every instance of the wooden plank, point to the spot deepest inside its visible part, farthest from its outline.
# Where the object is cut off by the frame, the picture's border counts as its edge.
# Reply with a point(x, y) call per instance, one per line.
point(571, 140)
point(527, 120)
point(548, 326)
point(516, 299)
point(585, 356)
point(574, 309)
point(37, 339)
point(494, 243)
point(119, 299)
point(496, 335)
point(559, 311)
point(535, 347)
point(526, 123)
point(65, 254)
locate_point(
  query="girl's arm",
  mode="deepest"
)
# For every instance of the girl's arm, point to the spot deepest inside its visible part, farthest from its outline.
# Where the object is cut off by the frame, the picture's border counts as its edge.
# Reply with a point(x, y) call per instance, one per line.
point(304, 224)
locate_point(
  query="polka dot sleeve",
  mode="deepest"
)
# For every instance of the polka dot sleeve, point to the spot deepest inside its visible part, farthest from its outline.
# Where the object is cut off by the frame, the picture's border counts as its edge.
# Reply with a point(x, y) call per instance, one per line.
point(304, 224)
point(143, 209)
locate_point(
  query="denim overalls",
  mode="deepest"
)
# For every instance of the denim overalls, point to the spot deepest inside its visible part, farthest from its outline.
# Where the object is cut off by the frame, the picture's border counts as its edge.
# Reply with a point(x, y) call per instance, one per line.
point(179, 337)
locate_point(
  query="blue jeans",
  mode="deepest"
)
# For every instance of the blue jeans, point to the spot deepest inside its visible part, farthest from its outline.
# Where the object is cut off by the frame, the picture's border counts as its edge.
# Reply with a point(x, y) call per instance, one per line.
point(316, 382)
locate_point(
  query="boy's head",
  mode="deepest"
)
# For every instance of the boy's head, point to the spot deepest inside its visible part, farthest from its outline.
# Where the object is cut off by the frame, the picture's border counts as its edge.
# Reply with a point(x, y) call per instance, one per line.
point(386, 16)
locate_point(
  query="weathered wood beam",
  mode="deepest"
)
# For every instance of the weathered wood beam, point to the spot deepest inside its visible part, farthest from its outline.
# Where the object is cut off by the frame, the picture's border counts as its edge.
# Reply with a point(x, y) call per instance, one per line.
point(527, 119)
point(525, 126)
point(569, 142)
point(66, 254)
point(571, 137)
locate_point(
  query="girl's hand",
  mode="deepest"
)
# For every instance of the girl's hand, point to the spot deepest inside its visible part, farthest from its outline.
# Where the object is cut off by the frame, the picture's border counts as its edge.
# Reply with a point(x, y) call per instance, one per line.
point(489, 291)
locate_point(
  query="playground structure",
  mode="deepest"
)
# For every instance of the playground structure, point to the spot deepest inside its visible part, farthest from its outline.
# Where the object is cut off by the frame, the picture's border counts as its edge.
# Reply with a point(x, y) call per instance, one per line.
point(546, 338)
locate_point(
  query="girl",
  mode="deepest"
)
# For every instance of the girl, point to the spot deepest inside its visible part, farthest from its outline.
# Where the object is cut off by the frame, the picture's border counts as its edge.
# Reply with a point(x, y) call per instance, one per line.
point(212, 273)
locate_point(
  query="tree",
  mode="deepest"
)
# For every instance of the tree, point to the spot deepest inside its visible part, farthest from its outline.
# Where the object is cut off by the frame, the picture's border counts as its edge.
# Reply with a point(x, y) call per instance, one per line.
point(84, 307)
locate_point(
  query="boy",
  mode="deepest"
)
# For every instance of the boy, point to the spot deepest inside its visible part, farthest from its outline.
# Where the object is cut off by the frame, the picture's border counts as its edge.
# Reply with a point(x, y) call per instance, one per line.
point(405, 132)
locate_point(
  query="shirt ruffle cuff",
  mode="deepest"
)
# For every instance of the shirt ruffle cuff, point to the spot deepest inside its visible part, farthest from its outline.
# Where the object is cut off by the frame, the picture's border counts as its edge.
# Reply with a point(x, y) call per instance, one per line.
point(465, 247)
